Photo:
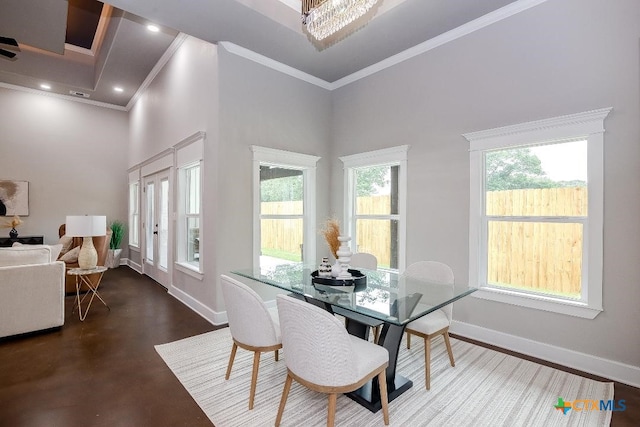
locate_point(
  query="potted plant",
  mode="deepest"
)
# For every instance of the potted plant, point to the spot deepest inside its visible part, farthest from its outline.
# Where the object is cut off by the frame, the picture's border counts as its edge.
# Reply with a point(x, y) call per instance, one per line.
point(117, 233)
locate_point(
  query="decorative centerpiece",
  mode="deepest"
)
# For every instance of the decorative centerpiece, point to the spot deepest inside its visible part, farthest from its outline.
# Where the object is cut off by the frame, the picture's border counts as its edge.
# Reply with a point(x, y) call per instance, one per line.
point(344, 256)
point(331, 232)
point(340, 275)
point(15, 221)
point(324, 270)
point(356, 282)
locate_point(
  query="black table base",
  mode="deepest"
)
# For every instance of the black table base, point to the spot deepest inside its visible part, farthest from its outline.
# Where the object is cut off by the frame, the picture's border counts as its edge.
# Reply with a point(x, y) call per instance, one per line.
point(369, 394)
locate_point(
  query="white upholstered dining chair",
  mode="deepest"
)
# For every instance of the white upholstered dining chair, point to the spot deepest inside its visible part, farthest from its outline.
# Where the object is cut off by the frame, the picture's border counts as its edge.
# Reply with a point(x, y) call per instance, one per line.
point(253, 326)
point(435, 323)
point(322, 356)
point(364, 260)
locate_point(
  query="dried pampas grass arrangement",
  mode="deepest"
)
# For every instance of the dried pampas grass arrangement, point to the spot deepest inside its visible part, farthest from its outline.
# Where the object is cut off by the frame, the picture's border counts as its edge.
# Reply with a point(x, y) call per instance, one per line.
point(331, 231)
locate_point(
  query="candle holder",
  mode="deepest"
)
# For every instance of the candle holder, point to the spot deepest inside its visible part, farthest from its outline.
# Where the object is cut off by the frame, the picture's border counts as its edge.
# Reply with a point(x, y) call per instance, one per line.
point(344, 256)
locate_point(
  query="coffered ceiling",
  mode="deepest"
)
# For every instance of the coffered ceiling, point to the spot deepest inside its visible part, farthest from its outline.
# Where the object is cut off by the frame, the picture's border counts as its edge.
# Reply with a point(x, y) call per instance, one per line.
point(125, 52)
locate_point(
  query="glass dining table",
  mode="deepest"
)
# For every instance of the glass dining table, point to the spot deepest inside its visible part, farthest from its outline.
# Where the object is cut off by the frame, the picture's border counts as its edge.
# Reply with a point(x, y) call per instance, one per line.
point(383, 298)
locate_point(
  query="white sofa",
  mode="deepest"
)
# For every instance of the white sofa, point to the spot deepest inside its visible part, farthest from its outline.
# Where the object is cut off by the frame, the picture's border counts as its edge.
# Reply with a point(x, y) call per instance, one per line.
point(31, 289)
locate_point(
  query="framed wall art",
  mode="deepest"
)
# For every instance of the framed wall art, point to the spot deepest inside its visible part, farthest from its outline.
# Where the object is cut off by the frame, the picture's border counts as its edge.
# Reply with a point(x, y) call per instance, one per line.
point(14, 198)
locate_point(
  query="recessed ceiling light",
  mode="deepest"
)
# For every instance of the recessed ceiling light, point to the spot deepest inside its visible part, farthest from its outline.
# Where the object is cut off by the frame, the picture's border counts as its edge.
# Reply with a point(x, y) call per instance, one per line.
point(118, 89)
point(45, 86)
point(153, 28)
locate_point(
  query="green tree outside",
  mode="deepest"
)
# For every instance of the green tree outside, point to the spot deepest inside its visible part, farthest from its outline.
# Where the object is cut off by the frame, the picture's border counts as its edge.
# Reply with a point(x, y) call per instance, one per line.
point(519, 168)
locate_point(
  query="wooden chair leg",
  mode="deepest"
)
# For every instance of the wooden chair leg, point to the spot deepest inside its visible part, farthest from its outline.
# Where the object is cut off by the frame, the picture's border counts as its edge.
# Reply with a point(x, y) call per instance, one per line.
point(448, 343)
point(427, 363)
point(231, 358)
point(331, 415)
point(277, 355)
point(254, 377)
point(376, 334)
point(283, 399)
point(408, 341)
point(384, 399)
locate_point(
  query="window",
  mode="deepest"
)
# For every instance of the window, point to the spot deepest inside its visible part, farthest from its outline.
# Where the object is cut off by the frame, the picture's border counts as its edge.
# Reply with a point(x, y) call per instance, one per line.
point(536, 214)
point(189, 212)
point(134, 214)
point(284, 207)
point(375, 200)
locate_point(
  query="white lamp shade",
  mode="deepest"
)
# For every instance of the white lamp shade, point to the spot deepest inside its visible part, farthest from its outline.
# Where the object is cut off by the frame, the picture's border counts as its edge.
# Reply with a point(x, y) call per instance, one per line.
point(86, 225)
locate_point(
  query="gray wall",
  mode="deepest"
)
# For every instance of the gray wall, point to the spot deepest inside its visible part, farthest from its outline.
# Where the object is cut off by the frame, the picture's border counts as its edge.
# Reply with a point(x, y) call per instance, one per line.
point(260, 106)
point(238, 103)
point(561, 57)
point(73, 155)
point(182, 100)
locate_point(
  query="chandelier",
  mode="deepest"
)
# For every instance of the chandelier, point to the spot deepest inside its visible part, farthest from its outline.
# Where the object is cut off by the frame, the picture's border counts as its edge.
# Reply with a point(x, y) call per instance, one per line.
point(325, 17)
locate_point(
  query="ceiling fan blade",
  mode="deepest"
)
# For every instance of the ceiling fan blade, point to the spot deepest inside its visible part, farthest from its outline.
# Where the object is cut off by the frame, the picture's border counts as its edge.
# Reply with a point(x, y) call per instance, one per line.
point(9, 41)
point(7, 53)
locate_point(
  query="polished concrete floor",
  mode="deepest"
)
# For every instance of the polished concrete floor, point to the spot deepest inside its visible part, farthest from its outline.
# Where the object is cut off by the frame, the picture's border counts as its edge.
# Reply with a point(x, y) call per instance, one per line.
point(105, 371)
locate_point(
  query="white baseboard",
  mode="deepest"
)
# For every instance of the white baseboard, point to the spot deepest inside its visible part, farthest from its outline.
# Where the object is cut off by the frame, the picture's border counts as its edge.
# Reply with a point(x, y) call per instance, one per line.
point(124, 261)
point(594, 365)
point(214, 317)
point(134, 266)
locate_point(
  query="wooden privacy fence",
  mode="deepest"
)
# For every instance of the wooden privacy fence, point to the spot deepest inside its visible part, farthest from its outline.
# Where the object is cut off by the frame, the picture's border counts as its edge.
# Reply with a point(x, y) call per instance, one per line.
point(283, 235)
point(539, 256)
point(544, 257)
point(286, 235)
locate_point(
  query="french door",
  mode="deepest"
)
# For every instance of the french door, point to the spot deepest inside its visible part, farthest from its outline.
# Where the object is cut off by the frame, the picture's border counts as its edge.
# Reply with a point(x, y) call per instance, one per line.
point(156, 255)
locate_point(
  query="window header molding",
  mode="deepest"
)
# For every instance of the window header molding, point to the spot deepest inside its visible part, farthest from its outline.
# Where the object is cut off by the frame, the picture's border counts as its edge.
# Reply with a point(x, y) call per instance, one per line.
point(540, 131)
point(283, 157)
point(190, 150)
point(377, 157)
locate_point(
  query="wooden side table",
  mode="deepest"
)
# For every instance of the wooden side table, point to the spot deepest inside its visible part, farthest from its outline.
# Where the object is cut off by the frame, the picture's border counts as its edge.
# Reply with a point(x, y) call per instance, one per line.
point(83, 276)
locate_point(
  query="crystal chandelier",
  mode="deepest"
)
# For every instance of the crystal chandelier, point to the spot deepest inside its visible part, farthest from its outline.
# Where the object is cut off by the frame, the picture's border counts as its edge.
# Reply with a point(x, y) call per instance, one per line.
point(324, 17)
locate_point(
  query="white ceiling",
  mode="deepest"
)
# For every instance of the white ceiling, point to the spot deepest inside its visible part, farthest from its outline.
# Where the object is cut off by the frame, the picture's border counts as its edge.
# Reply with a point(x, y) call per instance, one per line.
point(271, 28)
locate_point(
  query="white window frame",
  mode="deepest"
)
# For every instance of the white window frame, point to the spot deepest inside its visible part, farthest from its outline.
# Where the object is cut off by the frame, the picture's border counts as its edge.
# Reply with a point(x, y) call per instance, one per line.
point(134, 215)
point(394, 156)
point(263, 156)
point(588, 126)
point(189, 153)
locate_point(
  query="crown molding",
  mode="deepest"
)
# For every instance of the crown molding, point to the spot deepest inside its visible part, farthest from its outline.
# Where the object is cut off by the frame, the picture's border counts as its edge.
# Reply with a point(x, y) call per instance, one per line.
point(173, 47)
point(177, 42)
point(477, 24)
point(65, 97)
point(451, 35)
point(461, 31)
point(275, 65)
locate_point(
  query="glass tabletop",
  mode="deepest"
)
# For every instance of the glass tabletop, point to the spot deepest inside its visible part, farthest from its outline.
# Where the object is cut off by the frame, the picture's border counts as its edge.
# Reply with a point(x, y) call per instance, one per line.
point(386, 295)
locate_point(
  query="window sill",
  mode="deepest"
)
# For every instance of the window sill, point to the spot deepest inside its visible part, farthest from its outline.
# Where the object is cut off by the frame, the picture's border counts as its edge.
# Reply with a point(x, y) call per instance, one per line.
point(189, 270)
point(569, 308)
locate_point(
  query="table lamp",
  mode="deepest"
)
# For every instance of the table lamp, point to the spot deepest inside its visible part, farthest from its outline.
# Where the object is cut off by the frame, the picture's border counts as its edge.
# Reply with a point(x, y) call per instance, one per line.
point(86, 226)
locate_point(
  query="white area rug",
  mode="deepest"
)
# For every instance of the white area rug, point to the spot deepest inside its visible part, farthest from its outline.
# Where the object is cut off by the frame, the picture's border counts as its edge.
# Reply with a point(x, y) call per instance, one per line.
point(485, 388)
